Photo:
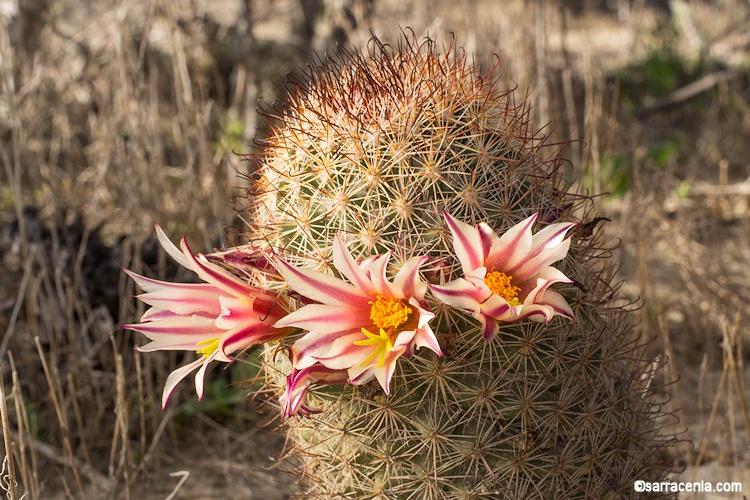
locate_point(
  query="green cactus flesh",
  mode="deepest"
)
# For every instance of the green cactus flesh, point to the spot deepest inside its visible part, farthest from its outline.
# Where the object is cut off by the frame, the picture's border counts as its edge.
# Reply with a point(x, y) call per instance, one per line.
point(375, 146)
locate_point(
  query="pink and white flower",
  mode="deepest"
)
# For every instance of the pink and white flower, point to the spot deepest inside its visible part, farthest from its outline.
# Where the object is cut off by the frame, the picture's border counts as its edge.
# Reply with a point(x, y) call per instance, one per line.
point(215, 318)
point(507, 278)
point(365, 325)
point(294, 399)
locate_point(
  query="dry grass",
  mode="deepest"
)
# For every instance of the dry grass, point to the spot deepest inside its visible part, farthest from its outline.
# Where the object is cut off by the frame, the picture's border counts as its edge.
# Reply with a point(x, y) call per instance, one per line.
point(116, 114)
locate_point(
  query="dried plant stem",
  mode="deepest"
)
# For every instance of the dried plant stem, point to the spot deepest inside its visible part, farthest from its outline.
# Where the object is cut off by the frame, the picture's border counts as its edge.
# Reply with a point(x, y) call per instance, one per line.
point(11, 470)
point(714, 408)
point(29, 471)
point(54, 387)
point(121, 409)
point(672, 375)
point(57, 456)
point(730, 341)
point(19, 301)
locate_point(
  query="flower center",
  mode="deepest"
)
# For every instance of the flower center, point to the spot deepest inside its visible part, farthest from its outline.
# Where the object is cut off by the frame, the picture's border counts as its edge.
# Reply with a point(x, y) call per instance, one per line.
point(499, 283)
point(209, 346)
point(382, 343)
point(389, 313)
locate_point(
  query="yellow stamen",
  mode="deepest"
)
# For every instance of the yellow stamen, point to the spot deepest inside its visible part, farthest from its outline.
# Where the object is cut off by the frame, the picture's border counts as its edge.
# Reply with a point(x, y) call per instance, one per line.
point(389, 313)
point(210, 346)
point(383, 346)
point(499, 283)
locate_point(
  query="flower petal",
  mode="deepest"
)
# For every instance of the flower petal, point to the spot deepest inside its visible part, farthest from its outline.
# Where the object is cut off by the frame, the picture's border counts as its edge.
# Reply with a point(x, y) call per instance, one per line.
point(323, 318)
point(345, 263)
point(490, 328)
point(407, 278)
point(458, 293)
point(202, 373)
point(533, 290)
point(542, 311)
point(512, 247)
point(377, 269)
point(343, 353)
point(169, 342)
point(170, 247)
point(558, 303)
point(298, 382)
point(177, 326)
point(176, 377)
point(320, 287)
point(467, 243)
point(182, 298)
point(212, 273)
point(425, 337)
point(359, 374)
point(313, 346)
point(498, 309)
point(547, 246)
point(234, 311)
point(248, 334)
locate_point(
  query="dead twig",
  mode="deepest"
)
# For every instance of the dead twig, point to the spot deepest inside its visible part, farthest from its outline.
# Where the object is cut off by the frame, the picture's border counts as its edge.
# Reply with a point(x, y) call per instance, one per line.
point(687, 92)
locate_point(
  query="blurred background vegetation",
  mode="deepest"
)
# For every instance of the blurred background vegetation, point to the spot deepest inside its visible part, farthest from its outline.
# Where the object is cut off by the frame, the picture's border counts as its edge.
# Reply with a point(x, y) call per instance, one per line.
point(115, 114)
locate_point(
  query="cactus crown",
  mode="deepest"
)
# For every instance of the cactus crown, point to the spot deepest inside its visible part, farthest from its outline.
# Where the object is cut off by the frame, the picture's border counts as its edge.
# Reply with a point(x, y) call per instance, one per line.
point(378, 145)
point(375, 146)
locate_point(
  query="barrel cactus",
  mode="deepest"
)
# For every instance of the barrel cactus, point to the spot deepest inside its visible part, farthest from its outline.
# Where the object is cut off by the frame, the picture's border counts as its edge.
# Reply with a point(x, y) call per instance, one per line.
point(456, 332)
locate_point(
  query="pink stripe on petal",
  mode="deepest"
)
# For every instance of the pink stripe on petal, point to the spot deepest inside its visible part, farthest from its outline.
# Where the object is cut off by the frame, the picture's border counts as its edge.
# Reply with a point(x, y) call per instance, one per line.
point(247, 335)
point(194, 299)
point(467, 243)
point(155, 314)
point(407, 278)
point(498, 308)
point(326, 319)
point(176, 377)
point(145, 284)
point(558, 303)
point(214, 274)
point(321, 287)
point(344, 262)
point(314, 345)
point(425, 337)
point(490, 328)
point(359, 375)
point(234, 311)
point(488, 238)
point(457, 293)
point(536, 309)
point(167, 342)
point(380, 283)
point(343, 353)
point(178, 325)
point(512, 247)
point(547, 247)
point(550, 236)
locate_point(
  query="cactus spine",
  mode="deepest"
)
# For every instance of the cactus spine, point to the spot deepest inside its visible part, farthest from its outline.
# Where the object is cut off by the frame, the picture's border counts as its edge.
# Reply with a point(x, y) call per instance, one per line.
point(376, 146)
